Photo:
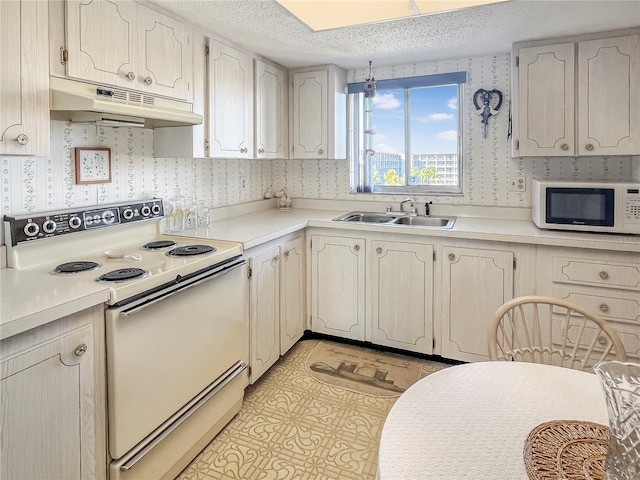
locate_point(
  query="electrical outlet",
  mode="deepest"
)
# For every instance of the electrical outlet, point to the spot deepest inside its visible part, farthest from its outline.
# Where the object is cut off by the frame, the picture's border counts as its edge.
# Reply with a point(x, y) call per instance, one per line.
point(518, 185)
point(243, 182)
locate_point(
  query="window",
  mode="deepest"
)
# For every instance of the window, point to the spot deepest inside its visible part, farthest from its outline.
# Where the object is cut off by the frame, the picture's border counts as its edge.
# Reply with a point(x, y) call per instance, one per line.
point(407, 137)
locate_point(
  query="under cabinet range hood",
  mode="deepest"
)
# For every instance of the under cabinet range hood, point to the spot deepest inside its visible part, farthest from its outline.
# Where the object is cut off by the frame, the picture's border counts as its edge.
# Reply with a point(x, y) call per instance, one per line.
point(81, 102)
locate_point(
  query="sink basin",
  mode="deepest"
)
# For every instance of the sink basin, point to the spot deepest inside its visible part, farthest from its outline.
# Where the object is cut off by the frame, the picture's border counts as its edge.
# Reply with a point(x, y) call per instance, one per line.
point(385, 219)
point(437, 222)
point(366, 217)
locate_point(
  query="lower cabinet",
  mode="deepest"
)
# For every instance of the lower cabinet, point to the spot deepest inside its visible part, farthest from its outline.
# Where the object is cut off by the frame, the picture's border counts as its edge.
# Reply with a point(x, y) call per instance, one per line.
point(376, 289)
point(52, 409)
point(276, 286)
point(607, 283)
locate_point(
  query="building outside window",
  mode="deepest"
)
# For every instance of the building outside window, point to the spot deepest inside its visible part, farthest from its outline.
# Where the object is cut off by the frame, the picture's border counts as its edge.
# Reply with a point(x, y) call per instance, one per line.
point(407, 137)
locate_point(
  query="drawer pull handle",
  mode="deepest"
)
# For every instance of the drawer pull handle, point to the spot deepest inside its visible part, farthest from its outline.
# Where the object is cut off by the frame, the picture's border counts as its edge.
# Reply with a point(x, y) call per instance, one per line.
point(604, 307)
point(589, 146)
point(452, 256)
point(564, 146)
point(379, 250)
point(602, 340)
point(286, 254)
point(81, 350)
point(603, 275)
point(131, 76)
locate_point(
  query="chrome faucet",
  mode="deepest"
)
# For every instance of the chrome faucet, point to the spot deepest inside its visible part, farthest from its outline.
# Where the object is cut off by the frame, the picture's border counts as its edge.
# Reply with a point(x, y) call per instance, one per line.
point(402, 211)
point(406, 200)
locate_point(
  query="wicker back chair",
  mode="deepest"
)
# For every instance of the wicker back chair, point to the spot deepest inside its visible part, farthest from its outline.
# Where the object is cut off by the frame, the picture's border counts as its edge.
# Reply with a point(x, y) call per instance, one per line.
point(553, 331)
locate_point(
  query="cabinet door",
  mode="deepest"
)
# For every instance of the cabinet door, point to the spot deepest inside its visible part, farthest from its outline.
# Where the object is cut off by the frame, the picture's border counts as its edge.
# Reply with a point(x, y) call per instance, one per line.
point(101, 41)
point(292, 316)
point(47, 410)
point(24, 78)
point(165, 55)
point(337, 286)
point(546, 100)
point(400, 293)
point(271, 113)
point(310, 114)
point(230, 102)
point(608, 96)
point(475, 283)
point(265, 311)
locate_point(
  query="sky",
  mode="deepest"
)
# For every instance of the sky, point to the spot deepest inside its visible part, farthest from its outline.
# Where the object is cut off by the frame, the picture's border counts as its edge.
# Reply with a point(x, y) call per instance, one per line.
point(433, 120)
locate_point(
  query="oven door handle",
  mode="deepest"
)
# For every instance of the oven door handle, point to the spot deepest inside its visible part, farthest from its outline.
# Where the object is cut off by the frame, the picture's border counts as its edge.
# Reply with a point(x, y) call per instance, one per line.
point(179, 288)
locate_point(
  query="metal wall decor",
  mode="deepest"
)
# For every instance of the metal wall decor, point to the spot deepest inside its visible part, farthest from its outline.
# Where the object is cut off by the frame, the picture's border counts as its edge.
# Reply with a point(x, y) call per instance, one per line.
point(487, 103)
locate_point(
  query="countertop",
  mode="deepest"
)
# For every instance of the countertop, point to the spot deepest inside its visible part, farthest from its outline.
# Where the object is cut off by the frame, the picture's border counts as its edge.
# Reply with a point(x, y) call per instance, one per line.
point(28, 299)
point(31, 299)
point(254, 229)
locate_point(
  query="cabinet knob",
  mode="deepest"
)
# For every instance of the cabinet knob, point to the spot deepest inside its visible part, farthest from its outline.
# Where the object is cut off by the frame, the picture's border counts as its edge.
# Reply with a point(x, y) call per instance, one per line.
point(286, 254)
point(452, 256)
point(261, 150)
point(22, 139)
point(131, 76)
point(379, 250)
point(243, 150)
point(602, 340)
point(604, 307)
point(148, 80)
point(589, 146)
point(356, 247)
point(564, 146)
point(603, 275)
point(81, 350)
point(320, 151)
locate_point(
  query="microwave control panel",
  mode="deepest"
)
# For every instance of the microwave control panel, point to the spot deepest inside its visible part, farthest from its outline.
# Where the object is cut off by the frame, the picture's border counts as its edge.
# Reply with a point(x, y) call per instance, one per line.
point(631, 204)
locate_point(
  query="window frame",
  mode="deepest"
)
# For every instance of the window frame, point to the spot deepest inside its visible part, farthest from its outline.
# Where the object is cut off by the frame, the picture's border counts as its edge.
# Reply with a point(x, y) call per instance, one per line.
point(356, 125)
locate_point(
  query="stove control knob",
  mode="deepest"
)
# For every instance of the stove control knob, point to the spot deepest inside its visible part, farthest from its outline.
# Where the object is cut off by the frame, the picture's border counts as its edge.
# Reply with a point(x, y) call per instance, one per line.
point(97, 218)
point(108, 217)
point(145, 211)
point(49, 226)
point(75, 222)
point(127, 214)
point(31, 229)
point(155, 209)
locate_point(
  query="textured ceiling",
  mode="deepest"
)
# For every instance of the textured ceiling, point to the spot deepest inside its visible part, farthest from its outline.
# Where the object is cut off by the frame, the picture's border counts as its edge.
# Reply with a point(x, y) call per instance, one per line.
point(266, 28)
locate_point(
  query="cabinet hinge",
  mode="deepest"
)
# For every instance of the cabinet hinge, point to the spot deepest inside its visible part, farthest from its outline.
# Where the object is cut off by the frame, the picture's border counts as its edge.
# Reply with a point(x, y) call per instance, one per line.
point(517, 144)
point(206, 145)
point(310, 244)
point(249, 371)
point(517, 61)
point(206, 49)
point(434, 255)
point(433, 342)
point(310, 320)
point(514, 263)
point(64, 55)
point(249, 272)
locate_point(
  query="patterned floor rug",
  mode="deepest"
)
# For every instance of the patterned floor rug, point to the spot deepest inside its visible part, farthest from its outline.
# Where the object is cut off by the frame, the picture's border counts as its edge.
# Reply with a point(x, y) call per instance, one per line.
point(294, 427)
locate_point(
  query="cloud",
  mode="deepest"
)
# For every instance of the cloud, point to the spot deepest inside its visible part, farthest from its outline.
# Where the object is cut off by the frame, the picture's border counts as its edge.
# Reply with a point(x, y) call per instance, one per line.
point(436, 117)
point(452, 103)
point(385, 148)
point(448, 135)
point(386, 101)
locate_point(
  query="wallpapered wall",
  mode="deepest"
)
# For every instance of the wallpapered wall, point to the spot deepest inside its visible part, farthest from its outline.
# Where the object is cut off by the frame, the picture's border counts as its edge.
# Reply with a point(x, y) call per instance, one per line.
point(37, 184)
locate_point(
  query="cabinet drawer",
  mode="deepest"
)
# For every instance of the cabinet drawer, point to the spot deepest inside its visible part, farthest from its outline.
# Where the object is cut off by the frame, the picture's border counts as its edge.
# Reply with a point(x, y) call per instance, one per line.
point(629, 336)
point(606, 274)
point(609, 304)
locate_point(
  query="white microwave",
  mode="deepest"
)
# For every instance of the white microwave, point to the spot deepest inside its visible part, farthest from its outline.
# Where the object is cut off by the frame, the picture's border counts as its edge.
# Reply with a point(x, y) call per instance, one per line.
point(586, 206)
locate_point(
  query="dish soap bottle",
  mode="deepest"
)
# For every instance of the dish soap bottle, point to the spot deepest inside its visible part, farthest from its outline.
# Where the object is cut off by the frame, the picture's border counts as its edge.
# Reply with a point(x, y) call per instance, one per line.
point(176, 218)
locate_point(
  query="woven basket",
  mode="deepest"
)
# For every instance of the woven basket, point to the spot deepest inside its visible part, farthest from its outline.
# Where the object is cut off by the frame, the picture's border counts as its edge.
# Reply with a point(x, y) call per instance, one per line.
point(567, 450)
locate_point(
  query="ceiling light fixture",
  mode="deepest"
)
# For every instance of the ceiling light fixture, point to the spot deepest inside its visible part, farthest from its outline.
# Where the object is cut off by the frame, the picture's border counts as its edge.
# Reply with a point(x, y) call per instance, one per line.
point(328, 14)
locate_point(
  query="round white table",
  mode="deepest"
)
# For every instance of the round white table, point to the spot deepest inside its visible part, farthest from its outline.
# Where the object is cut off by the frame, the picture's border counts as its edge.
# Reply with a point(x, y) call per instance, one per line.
point(471, 421)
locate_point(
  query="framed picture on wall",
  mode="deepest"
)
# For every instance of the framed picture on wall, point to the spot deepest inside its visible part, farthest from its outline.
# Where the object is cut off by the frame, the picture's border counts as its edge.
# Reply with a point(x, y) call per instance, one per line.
point(93, 165)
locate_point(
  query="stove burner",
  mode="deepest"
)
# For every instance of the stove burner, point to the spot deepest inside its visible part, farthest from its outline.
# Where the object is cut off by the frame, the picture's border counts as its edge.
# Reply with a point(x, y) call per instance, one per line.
point(159, 244)
point(75, 267)
point(190, 250)
point(122, 275)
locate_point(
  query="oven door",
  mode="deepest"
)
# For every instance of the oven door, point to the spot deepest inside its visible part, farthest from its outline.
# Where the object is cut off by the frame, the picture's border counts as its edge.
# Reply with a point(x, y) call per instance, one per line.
point(164, 350)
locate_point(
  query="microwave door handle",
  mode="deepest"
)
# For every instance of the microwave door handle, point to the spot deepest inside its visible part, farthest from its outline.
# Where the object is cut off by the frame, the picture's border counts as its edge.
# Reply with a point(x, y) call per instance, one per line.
point(178, 288)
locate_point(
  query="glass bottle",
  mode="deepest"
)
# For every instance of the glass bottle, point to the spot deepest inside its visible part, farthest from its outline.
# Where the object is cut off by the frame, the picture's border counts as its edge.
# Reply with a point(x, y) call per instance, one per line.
point(203, 214)
point(191, 214)
point(176, 217)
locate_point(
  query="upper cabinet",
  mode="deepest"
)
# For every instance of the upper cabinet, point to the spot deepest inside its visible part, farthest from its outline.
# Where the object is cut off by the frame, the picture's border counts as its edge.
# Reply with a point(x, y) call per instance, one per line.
point(578, 98)
point(125, 44)
point(24, 78)
point(319, 113)
point(230, 102)
point(271, 111)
